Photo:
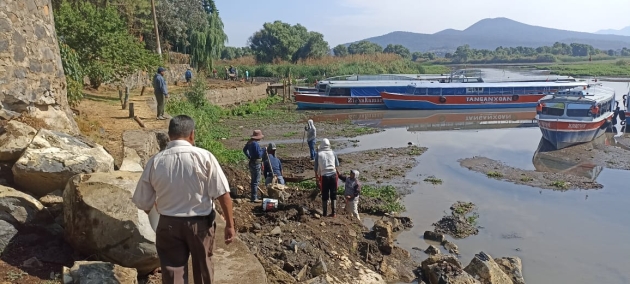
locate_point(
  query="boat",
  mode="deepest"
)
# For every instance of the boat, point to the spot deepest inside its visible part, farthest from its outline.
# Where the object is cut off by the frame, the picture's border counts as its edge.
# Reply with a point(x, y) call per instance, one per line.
point(575, 116)
point(428, 95)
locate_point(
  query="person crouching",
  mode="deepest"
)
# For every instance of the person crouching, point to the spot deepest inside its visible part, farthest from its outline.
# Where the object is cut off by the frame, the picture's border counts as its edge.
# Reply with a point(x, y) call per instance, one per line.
point(351, 192)
point(272, 166)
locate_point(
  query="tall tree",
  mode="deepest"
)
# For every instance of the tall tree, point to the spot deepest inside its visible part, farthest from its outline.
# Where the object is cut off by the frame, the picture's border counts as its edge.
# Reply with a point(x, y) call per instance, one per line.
point(315, 47)
point(207, 43)
point(283, 41)
point(364, 47)
point(398, 49)
point(340, 50)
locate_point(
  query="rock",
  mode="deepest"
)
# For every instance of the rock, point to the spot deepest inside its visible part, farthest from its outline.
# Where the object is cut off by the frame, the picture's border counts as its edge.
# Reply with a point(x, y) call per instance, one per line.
point(319, 268)
point(7, 232)
point(53, 158)
point(131, 161)
point(322, 279)
point(32, 262)
point(302, 274)
point(384, 236)
point(276, 191)
point(16, 207)
point(143, 142)
point(276, 231)
point(352, 233)
point(14, 140)
point(52, 198)
point(6, 114)
point(433, 236)
point(101, 220)
point(393, 270)
point(439, 258)
point(451, 247)
point(446, 272)
point(87, 272)
point(288, 267)
point(513, 267)
point(484, 268)
point(162, 139)
point(432, 250)
point(317, 216)
point(257, 226)
point(318, 212)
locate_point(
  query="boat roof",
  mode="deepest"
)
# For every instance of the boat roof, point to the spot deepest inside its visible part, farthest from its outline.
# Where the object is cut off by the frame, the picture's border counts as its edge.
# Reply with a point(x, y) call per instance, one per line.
point(383, 83)
point(427, 84)
point(594, 93)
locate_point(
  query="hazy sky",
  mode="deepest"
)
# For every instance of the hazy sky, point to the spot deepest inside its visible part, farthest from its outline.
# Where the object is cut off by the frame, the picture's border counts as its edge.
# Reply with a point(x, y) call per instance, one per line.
point(343, 21)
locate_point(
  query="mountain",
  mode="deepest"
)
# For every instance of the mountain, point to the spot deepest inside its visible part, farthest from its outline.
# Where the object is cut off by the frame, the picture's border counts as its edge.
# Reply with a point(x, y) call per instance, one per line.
point(624, 32)
point(492, 33)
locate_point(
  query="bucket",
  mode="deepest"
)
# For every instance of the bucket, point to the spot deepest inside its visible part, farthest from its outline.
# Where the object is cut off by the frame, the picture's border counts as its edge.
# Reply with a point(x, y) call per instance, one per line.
point(269, 204)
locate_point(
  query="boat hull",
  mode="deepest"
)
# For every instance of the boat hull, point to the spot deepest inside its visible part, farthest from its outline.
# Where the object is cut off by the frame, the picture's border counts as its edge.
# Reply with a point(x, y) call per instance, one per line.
point(562, 134)
point(316, 101)
point(403, 101)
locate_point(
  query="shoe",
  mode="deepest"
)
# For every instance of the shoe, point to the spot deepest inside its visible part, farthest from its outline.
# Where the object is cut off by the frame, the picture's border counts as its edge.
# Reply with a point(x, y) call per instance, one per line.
point(161, 118)
point(332, 215)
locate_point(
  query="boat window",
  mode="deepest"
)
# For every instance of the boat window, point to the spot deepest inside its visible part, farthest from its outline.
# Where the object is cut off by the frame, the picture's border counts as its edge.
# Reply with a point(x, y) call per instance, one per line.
point(322, 88)
point(494, 91)
point(448, 91)
point(339, 92)
point(420, 91)
point(556, 109)
point(434, 91)
point(474, 90)
point(508, 91)
point(605, 107)
point(578, 110)
point(411, 90)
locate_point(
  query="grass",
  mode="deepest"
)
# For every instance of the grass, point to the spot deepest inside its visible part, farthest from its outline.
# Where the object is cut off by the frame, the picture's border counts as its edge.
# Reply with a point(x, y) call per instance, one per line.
point(415, 151)
point(620, 67)
point(560, 184)
point(526, 179)
point(462, 208)
point(433, 180)
point(493, 174)
point(472, 220)
point(290, 134)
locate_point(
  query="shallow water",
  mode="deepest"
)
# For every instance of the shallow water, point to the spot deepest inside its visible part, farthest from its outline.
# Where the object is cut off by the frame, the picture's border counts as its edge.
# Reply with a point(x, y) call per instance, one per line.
point(575, 236)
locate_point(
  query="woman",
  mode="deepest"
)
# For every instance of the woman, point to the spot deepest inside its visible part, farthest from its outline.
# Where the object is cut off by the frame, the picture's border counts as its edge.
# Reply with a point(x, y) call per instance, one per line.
point(311, 138)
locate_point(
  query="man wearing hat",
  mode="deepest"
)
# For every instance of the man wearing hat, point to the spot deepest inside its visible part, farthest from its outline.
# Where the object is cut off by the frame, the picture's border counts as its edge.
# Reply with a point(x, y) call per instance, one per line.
point(272, 167)
point(160, 91)
point(254, 153)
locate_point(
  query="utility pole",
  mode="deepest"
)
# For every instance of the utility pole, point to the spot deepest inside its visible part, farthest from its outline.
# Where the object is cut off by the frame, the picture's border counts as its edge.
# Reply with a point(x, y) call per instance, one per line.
point(155, 25)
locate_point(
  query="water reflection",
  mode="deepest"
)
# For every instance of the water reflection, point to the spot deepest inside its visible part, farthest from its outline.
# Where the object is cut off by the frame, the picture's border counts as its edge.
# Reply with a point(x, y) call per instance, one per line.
point(548, 163)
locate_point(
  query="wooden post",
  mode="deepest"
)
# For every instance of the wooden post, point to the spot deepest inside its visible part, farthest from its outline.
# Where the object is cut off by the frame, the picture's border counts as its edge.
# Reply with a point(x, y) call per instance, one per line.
point(131, 110)
point(139, 121)
point(124, 104)
point(289, 87)
point(142, 91)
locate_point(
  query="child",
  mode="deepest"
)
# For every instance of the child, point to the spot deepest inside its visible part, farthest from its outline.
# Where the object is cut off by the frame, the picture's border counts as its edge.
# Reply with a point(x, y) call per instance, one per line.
point(352, 191)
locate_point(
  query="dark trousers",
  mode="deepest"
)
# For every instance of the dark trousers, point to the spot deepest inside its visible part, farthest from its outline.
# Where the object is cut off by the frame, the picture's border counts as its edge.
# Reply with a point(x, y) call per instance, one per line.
point(329, 187)
point(176, 239)
point(311, 149)
point(160, 104)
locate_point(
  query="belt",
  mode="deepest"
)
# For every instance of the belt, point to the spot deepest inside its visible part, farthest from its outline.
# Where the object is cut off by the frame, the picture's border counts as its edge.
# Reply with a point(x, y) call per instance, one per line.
point(210, 217)
point(255, 161)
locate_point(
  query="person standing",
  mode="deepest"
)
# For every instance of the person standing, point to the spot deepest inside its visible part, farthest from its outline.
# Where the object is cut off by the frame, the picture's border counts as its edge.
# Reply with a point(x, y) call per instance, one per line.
point(352, 189)
point(247, 75)
point(182, 183)
point(272, 166)
point(160, 91)
point(188, 76)
point(326, 164)
point(311, 138)
point(254, 153)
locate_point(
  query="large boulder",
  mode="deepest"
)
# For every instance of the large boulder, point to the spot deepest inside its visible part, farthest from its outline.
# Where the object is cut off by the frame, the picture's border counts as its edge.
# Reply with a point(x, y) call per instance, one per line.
point(53, 158)
point(393, 269)
point(7, 232)
point(446, 272)
point(101, 220)
point(16, 207)
point(144, 143)
point(384, 236)
point(484, 268)
point(513, 267)
point(88, 272)
point(131, 161)
point(14, 140)
point(32, 80)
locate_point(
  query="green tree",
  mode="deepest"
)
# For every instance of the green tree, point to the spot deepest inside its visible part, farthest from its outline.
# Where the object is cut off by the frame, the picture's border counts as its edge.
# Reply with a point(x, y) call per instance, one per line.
point(74, 73)
point(207, 42)
point(340, 50)
point(283, 41)
point(398, 49)
point(104, 47)
point(364, 47)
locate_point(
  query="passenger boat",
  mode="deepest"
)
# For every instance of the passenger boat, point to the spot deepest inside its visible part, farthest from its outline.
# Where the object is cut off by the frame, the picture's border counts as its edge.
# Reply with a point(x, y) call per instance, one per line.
point(575, 116)
point(429, 95)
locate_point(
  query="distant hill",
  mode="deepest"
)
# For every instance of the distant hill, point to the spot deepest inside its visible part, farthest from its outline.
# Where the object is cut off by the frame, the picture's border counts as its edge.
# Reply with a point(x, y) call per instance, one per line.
point(624, 32)
point(492, 33)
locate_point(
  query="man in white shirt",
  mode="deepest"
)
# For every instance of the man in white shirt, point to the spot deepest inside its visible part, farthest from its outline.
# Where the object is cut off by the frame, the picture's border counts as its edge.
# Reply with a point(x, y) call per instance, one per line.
point(182, 182)
point(326, 164)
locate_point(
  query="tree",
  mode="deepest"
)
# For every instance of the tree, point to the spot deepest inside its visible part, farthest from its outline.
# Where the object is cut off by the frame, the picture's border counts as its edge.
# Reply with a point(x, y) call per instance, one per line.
point(364, 47)
point(207, 42)
point(283, 41)
point(340, 50)
point(398, 49)
point(104, 47)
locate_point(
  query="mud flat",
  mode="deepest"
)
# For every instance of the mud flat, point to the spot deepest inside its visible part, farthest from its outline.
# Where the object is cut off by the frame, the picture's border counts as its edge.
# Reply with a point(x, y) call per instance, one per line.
point(608, 152)
point(555, 181)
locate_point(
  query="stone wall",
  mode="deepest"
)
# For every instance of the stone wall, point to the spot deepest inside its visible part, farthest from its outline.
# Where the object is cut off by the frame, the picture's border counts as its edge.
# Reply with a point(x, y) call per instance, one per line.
point(223, 97)
point(174, 72)
point(31, 75)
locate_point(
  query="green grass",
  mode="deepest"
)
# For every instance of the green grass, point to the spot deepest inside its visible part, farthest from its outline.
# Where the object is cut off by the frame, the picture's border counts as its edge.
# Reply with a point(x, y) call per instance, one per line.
point(526, 179)
point(560, 184)
point(493, 174)
point(463, 208)
point(618, 68)
point(290, 134)
point(433, 180)
point(472, 220)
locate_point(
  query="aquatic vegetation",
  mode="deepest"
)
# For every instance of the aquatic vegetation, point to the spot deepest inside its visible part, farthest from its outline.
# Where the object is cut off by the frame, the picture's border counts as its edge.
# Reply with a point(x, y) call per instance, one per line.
point(560, 184)
point(433, 180)
point(493, 174)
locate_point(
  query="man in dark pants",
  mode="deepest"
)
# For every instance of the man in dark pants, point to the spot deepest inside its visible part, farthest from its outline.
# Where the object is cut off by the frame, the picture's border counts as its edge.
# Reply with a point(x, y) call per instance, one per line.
point(254, 154)
point(160, 91)
point(326, 164)
point(182, 183)
point(188, 75)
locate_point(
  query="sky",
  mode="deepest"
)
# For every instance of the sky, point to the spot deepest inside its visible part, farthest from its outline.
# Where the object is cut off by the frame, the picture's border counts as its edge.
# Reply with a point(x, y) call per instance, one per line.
point(344, 21)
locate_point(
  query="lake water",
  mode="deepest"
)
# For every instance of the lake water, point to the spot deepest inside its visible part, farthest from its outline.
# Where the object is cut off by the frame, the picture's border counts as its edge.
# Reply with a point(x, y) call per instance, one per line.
point(576, 236)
